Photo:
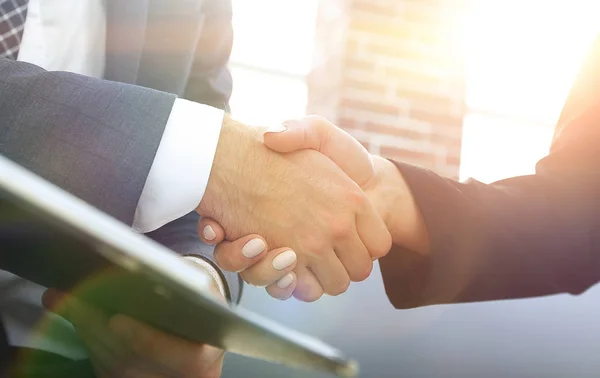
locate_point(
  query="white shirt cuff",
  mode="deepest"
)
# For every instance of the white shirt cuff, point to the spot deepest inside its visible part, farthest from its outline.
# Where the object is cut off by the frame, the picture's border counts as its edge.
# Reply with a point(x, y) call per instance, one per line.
point(181, 168)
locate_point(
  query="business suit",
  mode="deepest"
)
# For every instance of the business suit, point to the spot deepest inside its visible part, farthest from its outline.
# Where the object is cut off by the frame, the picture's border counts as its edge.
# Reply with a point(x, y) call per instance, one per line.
point(98, 138)
point(520, 237)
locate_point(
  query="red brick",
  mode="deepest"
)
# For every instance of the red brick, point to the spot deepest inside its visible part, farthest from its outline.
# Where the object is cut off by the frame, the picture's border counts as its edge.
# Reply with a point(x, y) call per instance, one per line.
point(359, 64)
point(450, 143)
point(347, 123)
point(426, 99)
point(398, 70)
point(364, 85)
point(396, 130)
point(370, 106)
point(374, 8)
point(431, 116)
point(453, 160)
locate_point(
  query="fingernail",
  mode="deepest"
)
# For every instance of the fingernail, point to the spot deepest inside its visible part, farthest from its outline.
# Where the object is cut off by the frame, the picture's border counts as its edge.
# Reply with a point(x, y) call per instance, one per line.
point(209, 233)
point(121, 327)
point(285, 281)
point(253, 248)
point(276, 129)
point(284, 260)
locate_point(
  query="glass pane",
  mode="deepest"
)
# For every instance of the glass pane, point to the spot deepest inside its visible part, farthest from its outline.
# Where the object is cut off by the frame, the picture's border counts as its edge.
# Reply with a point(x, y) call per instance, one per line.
point(495, 148)
point(523, 55)
point(275, 34)
point(261, 98)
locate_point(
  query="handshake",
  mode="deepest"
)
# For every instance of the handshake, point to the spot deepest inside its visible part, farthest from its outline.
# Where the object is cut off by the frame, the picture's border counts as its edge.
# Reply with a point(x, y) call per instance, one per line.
point(303, 208)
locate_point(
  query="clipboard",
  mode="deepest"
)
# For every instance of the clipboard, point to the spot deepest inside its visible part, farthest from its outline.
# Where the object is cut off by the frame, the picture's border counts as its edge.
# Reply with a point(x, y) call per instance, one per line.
point(108, 265)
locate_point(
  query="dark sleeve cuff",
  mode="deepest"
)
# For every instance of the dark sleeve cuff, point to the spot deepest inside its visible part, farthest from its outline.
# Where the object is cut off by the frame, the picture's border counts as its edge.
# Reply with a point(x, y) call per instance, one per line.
point(181, 236)
point(412, 279)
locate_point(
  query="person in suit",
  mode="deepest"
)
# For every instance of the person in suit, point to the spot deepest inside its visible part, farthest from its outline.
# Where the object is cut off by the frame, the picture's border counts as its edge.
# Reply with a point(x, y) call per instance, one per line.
point(455, 242)
point(114, 43)
point(122, 104)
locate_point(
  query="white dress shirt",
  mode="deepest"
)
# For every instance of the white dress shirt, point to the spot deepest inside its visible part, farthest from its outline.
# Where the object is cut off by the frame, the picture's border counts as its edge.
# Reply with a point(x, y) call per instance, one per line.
point(69, 35)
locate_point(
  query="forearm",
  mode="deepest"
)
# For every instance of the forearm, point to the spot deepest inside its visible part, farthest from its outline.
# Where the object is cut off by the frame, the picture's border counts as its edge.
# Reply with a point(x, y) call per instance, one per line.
point(94, 138)
point(522, 237)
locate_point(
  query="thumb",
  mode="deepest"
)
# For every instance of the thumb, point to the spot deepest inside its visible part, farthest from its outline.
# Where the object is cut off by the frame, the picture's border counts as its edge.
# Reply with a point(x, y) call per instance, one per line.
point(210, 231)
point(316, 133)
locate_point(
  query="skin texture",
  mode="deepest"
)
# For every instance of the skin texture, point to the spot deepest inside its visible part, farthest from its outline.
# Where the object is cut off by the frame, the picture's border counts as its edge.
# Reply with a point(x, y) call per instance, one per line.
point(300, 201)
point(378, 178)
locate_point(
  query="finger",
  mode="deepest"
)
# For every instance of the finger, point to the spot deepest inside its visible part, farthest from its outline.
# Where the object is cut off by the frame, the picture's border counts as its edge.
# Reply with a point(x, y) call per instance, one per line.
point(179, 355)
point(215, 370)
point(240, 254)
point(104, 362)
point(373, 231)
point(91, 326)
point(308, 288)
point(71, 309)
point(284, 287)
point(276, 265)
point(355, 257)
point(331, 274)
point(210, 231)
point(316, 133)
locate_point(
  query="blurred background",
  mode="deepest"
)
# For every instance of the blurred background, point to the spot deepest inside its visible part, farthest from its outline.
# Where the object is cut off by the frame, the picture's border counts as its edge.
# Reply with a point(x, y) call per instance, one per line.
point(466, 88)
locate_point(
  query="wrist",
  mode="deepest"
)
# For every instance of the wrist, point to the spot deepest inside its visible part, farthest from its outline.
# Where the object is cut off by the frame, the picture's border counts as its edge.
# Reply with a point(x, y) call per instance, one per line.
point(232, 158)
point(396, 205)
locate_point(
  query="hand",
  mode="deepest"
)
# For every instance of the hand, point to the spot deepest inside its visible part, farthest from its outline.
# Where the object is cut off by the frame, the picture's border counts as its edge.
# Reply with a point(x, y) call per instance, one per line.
point(380, 179)
point(250, 256)
point(122, 347)
point(301, 200)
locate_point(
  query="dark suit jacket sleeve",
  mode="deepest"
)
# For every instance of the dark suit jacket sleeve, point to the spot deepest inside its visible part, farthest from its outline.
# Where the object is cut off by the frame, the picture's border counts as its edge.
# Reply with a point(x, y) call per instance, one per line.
point(181, 236)
point(526, 236)
point(210, 81)
point(94, 138)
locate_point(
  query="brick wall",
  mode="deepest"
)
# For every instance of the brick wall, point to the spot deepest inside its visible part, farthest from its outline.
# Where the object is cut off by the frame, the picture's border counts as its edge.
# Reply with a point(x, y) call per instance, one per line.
point(391, 73)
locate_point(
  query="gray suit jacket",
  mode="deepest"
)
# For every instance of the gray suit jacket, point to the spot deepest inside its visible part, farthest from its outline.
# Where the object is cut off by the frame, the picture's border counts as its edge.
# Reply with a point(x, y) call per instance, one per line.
point(97, 138)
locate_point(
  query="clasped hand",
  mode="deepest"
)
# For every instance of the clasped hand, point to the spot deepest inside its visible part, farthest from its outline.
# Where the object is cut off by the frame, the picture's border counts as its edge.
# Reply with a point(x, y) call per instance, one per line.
point(311, 207)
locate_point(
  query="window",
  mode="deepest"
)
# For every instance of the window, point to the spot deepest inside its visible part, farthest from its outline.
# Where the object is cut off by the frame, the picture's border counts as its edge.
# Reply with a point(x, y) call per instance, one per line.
point(522, 59)
point(273, 48)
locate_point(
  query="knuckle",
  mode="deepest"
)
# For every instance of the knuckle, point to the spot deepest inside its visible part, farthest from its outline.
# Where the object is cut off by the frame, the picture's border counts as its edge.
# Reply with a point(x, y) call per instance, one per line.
point(315, 119)
point(225, 260)
point(383, 248)
point(309, 297)
point(315, 246)
point(308, 294)
point(339, 288)
point(362, 273)
point(253, 278)
point(143, 346)
point(357, 200)
point(341, 228)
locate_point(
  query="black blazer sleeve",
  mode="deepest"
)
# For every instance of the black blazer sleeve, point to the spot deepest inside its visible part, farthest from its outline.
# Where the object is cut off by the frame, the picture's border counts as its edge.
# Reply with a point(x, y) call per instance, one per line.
point(521, 237)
